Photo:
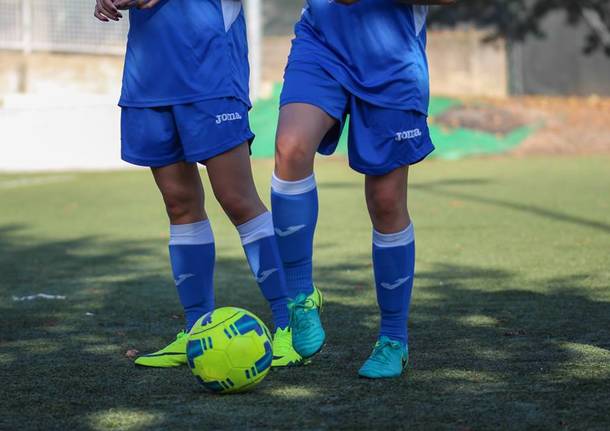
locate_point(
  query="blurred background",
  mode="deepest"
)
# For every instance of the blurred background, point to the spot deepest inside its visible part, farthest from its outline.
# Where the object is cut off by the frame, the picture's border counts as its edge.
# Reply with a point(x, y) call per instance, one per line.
point(526, 76)
point(511, 306)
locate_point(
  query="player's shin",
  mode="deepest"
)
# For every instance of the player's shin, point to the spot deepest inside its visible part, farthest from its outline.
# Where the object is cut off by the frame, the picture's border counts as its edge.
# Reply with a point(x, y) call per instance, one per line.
point(394, 267)
point(262, 252)
point(192, 255)
point(295, 214)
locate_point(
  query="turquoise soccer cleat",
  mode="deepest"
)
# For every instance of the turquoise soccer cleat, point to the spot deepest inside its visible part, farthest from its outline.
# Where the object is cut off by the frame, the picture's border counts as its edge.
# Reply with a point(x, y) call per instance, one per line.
point(388, 360)
point(307, 332)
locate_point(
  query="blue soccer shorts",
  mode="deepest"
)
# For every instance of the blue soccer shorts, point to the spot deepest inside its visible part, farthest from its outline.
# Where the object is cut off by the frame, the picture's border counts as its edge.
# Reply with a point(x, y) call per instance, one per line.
point(380, 139)
point(191, 132)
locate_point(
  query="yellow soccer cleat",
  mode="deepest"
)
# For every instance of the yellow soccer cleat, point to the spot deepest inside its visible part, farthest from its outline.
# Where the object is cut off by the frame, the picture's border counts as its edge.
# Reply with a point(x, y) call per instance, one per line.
point(284, 354)
point(174, 355)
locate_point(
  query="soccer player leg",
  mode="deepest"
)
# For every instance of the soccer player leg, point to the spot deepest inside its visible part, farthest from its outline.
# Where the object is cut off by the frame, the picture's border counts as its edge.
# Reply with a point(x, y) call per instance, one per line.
point(192, 254)
point(294, 198)
point(383, 143)
point(233, 184)
point(394, 265)
point(312, 102)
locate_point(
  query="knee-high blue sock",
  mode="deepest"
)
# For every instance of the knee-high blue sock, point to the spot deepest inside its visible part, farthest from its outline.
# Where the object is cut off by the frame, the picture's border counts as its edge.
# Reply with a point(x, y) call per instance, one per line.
point(295, 214)
point(192, 254)
point(394, 265)
point(261, 249)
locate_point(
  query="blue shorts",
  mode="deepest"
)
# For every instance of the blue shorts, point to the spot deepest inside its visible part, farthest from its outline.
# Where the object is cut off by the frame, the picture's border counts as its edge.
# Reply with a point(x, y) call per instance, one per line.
point(191, 132)
point(380, 139)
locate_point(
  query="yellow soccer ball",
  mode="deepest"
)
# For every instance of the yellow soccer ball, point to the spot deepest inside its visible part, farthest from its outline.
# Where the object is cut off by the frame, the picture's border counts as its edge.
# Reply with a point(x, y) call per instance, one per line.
point(229, 350)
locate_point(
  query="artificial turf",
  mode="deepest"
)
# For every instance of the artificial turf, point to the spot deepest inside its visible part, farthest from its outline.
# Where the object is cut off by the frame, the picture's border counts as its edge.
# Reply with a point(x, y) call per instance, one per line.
point(510, 322)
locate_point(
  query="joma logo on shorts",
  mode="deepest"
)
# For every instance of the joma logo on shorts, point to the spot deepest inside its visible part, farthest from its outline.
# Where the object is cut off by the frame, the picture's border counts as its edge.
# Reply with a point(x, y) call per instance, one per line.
point(231, 116)
point(408, 134)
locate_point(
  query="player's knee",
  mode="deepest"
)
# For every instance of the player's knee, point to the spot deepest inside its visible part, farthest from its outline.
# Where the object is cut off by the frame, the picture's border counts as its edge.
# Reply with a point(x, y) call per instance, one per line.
point(385, 204)
point(291, 151)
point(240, 208)
point(182, 208)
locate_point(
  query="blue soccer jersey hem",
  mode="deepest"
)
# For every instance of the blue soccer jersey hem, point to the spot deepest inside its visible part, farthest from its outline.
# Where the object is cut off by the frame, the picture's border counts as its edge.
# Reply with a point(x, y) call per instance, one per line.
point(221, 149)
point(195, 132)
point(151, 163)
point(313, 102)
point(386, 169)
point(184, 100)
point(195, 158)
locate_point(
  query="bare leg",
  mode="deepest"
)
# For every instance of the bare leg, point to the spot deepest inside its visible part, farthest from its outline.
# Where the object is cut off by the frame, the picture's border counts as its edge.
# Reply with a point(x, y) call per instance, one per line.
point(393, 264)
point(233, 184)
point(386, 198)
point(231, 177)
point(180, 186)
point(294, 198)
point(191, 246)
point(301, 129)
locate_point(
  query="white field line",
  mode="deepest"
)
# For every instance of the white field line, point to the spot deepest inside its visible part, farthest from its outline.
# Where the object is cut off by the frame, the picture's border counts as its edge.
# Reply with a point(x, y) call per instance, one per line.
point(38, 296)
point(34, 181)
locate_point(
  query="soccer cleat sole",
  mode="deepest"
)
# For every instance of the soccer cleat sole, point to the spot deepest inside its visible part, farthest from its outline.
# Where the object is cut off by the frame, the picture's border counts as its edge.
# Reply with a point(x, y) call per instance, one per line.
point(294, 364)
point(314, 353)
point(141, 361)
point(394, 376)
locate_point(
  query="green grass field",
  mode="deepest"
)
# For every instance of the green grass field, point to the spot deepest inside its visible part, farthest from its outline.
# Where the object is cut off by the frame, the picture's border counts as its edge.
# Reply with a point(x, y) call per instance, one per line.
point(510, 320)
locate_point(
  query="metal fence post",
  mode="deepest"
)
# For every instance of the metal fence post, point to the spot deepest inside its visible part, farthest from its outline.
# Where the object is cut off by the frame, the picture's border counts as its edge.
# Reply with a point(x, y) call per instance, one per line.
point(26, 45)
point(26, 26)
point(255, 40)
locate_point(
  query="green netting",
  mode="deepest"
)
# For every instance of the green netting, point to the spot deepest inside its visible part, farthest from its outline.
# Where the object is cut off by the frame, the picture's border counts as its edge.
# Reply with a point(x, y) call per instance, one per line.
point(450, 143)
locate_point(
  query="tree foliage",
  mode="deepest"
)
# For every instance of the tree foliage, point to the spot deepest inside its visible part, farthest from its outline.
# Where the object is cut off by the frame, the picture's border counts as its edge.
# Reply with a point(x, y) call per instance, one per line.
point(518, 19)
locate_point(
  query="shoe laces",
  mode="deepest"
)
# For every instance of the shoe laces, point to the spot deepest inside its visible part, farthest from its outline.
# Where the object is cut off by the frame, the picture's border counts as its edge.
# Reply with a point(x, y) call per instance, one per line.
point(299, 311)
point(383, 347)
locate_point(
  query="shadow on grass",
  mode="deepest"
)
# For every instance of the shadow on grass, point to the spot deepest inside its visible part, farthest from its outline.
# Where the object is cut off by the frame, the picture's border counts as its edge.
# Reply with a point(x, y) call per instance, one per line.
point(487, 351)
point(439, 188)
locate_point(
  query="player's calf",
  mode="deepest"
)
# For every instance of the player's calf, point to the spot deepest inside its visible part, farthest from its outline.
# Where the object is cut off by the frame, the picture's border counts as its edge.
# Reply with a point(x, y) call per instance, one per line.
point(231, 177)
point(394, 265)
point(386, 198)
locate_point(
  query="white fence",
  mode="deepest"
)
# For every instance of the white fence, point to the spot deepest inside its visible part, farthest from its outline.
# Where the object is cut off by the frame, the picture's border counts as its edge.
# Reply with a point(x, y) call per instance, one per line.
point(69, 26)
point(50, 129)
point(58, 25)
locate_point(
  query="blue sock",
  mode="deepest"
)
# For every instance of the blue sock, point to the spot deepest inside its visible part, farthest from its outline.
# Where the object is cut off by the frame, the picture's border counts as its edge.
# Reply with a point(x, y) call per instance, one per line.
point(192, 254)
point(394, 265)
point(263, 255)
point(295, 214)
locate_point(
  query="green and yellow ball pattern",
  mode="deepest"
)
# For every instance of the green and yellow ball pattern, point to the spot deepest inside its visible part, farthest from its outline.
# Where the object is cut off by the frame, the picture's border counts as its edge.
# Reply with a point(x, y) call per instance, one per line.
point(229, 350)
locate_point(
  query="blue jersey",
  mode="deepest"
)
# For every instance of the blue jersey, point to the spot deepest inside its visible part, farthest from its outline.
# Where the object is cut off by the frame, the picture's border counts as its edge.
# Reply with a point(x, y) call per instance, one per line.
point(374, 48)
point(184, 51)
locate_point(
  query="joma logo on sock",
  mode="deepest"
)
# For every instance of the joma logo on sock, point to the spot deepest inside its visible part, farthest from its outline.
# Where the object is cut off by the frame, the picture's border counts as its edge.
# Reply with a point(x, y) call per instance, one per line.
point(231, 116)
point(182, 278)
point(289, 231)
point(407, 134)
point(266, 274)
point(396, 284)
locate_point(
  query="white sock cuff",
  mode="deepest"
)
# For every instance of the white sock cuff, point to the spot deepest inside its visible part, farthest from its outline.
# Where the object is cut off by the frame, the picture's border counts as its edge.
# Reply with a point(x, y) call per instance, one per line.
point(191, 234)
point(259, 227)
point(293, 187)
point(398, 239)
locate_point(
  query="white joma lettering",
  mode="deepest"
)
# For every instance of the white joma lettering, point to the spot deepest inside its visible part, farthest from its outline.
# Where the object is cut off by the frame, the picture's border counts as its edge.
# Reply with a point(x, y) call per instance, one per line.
point(230, 116)
point(407, 134)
